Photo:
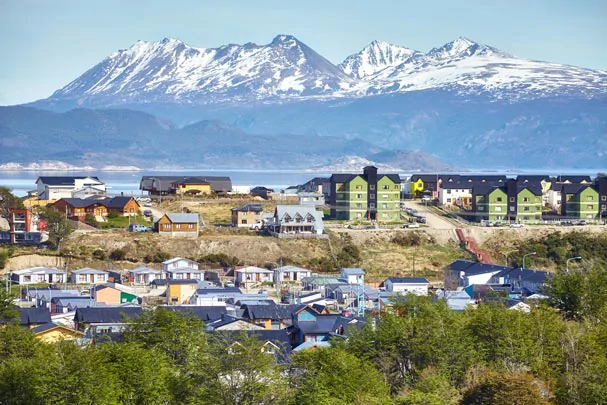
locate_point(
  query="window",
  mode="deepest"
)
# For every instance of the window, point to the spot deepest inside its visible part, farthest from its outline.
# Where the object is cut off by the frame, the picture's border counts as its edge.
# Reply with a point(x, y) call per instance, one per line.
point(385, 187)
point(384, 205)
point(384, 196)
point(498, 199)
point(101, 277)
point(372, 187)
point(359, 187)
point(589, 198)
point(537, 208)
point(525, 199)
point(525, 218)
point(372, 205)
point(498, 209)
point(359, 205)
point(385, 215)
point(359, 215)
point(372, 196)
point(177, 226)
point(359, 196)
point(481, 208)
point(512, 209)
point(166, 226)
point(243, 221)
point(81, 277)
point(448, 191)
point(590, 207)
point(448, 200)
point(604, 207)
point(396, 187)
point(512, 199)
point(191, 226)
point(604, 198)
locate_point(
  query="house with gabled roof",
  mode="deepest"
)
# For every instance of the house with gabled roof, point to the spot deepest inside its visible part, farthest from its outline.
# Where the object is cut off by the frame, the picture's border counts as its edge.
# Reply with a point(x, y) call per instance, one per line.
point(145, 275)
point(367, 196)
point(229, 322)
point(85, 318)
point(252, 274)
point(268, 314)
point(37, 275)
point(405, 285)
point(88, 275)
point(77, 208)
point(309, 325)
point(247, 215)
point(298, 219)
point(57, 187)
point(580, 201)
point(352, 275)
point(178, 224)
point(290, 274)
point(163, 185)
point(52, 332)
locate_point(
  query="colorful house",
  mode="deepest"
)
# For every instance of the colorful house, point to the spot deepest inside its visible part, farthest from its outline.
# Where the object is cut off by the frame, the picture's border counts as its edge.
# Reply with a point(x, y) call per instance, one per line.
point(367, 196)
point(112, 296)
point(191, 185)
point(52, 333)
point(180, 291)
point(580, 202)
point(247, 215)
point(490, 202)
point(177, 224)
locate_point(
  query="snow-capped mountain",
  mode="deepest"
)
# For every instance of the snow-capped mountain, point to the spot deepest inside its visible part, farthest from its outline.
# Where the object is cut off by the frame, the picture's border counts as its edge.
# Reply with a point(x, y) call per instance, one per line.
point(472, 68)
point(375, 57)
point(169, 71)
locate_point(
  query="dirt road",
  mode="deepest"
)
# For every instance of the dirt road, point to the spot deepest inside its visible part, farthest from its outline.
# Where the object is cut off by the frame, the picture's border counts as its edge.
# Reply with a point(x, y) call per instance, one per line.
point(432, 219)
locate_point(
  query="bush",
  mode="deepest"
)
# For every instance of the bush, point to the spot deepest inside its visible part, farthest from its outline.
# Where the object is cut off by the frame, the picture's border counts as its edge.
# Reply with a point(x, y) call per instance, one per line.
point(220, 259)
point(157, 257)
point(112, 215)
point(118, 254)
point(99, 254)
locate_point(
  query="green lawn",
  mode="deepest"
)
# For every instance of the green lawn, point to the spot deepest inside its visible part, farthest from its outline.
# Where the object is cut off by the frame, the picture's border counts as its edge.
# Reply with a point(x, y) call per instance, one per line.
point(124, 222)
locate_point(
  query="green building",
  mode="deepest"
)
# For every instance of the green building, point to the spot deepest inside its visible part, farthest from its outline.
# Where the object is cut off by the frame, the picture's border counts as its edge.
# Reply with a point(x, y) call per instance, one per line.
point(580, 201)
point(528, 206)
point(490, 202)
point(366, 196)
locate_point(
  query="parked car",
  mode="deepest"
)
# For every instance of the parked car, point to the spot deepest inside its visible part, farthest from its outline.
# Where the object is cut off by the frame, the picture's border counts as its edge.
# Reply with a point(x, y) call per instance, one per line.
point(517, 225)
point(138, 228)
point(258, 225)
point(421, 220)
point(567, 223)
point(581, 222)
point(411, 225)
point(148, 213)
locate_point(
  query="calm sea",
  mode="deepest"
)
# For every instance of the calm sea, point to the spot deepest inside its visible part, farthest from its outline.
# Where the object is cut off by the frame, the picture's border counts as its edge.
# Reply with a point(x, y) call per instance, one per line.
point(20, 182)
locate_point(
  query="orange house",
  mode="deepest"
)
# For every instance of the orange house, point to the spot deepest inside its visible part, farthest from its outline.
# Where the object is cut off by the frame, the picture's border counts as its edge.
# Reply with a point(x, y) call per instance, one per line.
point(126, 206)
point(77, 208)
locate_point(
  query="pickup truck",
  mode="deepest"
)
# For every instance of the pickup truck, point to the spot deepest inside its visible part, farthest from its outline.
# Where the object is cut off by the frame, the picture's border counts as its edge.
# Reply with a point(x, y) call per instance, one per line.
point(411, 225)
point(258, 225)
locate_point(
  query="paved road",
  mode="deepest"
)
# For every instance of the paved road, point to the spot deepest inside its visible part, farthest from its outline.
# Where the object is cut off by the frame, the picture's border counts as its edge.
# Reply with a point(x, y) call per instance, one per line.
point(432, 220)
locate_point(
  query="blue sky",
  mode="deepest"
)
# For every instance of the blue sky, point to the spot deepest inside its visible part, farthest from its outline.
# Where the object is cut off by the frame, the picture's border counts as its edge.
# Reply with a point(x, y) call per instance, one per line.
point(46, 44)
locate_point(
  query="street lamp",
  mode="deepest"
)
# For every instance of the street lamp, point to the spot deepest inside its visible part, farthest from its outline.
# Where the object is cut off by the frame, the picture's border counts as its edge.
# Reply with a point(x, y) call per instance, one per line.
point(568, 260)
point(528, 254)
point(506, 255)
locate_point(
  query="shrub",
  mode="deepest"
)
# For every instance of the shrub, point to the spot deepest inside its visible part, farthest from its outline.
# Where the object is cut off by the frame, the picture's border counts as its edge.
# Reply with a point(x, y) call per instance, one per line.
point(118, 254)
point(99, 254)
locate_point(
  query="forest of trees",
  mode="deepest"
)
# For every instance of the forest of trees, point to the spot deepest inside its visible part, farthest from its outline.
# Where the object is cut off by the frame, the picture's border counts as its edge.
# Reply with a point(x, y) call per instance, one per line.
point(422, 353)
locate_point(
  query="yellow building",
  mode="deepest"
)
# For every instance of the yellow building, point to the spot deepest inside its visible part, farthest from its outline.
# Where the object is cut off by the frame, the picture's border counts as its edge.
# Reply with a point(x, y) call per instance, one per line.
point(52, 332)
point(181, 291)
point(191, 185)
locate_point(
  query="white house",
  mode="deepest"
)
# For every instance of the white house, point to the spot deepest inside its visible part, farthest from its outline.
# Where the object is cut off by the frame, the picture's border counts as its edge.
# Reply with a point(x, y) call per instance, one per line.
point(178, 263)
point(454, 194)
point(298, 219)
point(405, 285)
point(252, 274)
point(353, 275)
point(88, 275)
point(311, 199)
point(185, 273)
point(57, 187)
point(290, 274)
point(145, 275)
point(38, 275)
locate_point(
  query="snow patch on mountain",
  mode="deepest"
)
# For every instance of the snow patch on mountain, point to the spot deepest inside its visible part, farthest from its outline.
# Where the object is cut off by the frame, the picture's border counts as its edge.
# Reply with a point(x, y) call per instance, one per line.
point(352, 164)
point(375, 57)
point(169, 71)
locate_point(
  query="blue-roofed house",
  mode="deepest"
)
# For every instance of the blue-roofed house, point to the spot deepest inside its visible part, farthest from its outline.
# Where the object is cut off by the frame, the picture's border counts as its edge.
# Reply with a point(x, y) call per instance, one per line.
point(310, 325)
point(251, 274)
point(88, 275)
point(145, 275)
point(405, 285)
point(528, 280)
point(290, 274)
point(178, 224)
point(352, 275)
point(298, 219)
